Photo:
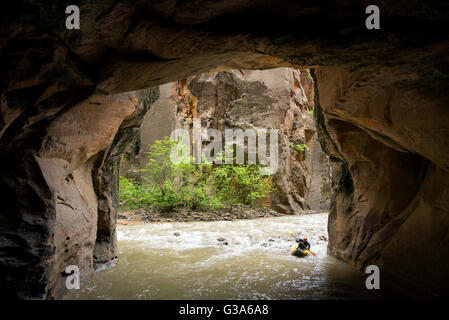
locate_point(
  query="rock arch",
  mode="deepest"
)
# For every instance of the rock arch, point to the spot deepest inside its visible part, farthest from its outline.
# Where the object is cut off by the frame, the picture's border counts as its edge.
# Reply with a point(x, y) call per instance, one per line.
point(382, 115)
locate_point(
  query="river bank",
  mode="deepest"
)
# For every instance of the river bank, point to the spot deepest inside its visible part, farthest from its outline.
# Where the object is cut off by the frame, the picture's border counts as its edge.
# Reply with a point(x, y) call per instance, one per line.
point(131, 217)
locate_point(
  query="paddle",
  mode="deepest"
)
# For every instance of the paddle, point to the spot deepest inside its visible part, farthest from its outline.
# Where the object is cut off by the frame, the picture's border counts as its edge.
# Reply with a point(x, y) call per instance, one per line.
point(313, 253)
point(292, 235)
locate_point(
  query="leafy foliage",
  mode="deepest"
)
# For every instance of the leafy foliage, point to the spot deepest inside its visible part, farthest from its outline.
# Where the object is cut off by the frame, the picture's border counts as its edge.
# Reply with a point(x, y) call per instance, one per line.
point(167, 185)
point(240, 183)
point(298, 147)
point(132, 195)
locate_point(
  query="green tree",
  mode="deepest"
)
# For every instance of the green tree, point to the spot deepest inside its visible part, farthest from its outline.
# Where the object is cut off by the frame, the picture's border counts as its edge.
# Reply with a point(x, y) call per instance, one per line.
point(174, 184)
point(167, 185)
point(240, 183)
point(132, 195)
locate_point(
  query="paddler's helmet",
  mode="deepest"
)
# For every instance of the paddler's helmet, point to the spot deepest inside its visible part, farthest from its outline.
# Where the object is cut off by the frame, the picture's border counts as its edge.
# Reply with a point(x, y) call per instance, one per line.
point(305, 239)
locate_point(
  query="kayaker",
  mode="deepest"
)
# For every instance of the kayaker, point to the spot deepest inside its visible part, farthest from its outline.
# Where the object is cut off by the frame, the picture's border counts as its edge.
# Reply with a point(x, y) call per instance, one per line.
point(303, 244)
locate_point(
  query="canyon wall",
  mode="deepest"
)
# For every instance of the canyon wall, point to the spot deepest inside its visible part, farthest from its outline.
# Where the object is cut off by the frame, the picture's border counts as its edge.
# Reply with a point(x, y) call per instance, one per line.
point(68, 218)
point(157, 123)
point(320, 186)
point(246, 99)
point(380, 104)
point(390, 181)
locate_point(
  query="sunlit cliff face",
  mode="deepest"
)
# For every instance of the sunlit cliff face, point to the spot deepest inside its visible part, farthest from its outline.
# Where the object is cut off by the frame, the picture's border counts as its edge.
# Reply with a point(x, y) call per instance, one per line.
point(381, 112)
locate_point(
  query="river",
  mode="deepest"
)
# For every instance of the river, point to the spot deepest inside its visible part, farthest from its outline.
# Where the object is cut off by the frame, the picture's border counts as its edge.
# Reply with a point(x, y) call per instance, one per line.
point(154, 263)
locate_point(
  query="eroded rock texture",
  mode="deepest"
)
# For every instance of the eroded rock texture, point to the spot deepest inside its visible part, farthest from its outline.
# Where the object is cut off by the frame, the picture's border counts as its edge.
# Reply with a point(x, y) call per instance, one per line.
point(382, 112)
point(246, 99)
point(272, 99)
point(320, 186)
point(157, 123)
point(391, 191)
point(106, 174)
point(64, 194)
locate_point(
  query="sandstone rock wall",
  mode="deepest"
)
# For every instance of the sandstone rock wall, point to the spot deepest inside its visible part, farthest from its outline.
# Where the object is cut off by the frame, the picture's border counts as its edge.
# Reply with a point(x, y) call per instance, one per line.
point(157, 123)
point(245, 99)
point(386, 88)
point(320, 186)
point(69, 217)
point(390, 183)
point(262, 100)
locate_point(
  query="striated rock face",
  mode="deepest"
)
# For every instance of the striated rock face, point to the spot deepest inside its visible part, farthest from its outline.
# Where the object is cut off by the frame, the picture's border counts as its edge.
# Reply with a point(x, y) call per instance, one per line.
point(157, 123)
point(106, 173)
point(262, 99)
point(320, 186)
point(242, 99)
point(64, 194)
point(390, 197)
point(381, 104)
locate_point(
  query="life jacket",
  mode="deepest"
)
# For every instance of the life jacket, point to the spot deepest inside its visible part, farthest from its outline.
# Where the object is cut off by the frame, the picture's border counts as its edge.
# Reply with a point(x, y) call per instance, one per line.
point(303, 245)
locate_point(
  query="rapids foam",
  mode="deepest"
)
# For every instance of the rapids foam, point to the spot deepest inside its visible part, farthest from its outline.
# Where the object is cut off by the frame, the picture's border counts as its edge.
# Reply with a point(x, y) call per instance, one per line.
point(187, 261)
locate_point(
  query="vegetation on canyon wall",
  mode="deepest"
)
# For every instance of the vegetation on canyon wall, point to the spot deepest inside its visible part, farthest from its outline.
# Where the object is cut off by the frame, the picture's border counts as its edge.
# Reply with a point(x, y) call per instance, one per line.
point(298, 147)
point(168, 185)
